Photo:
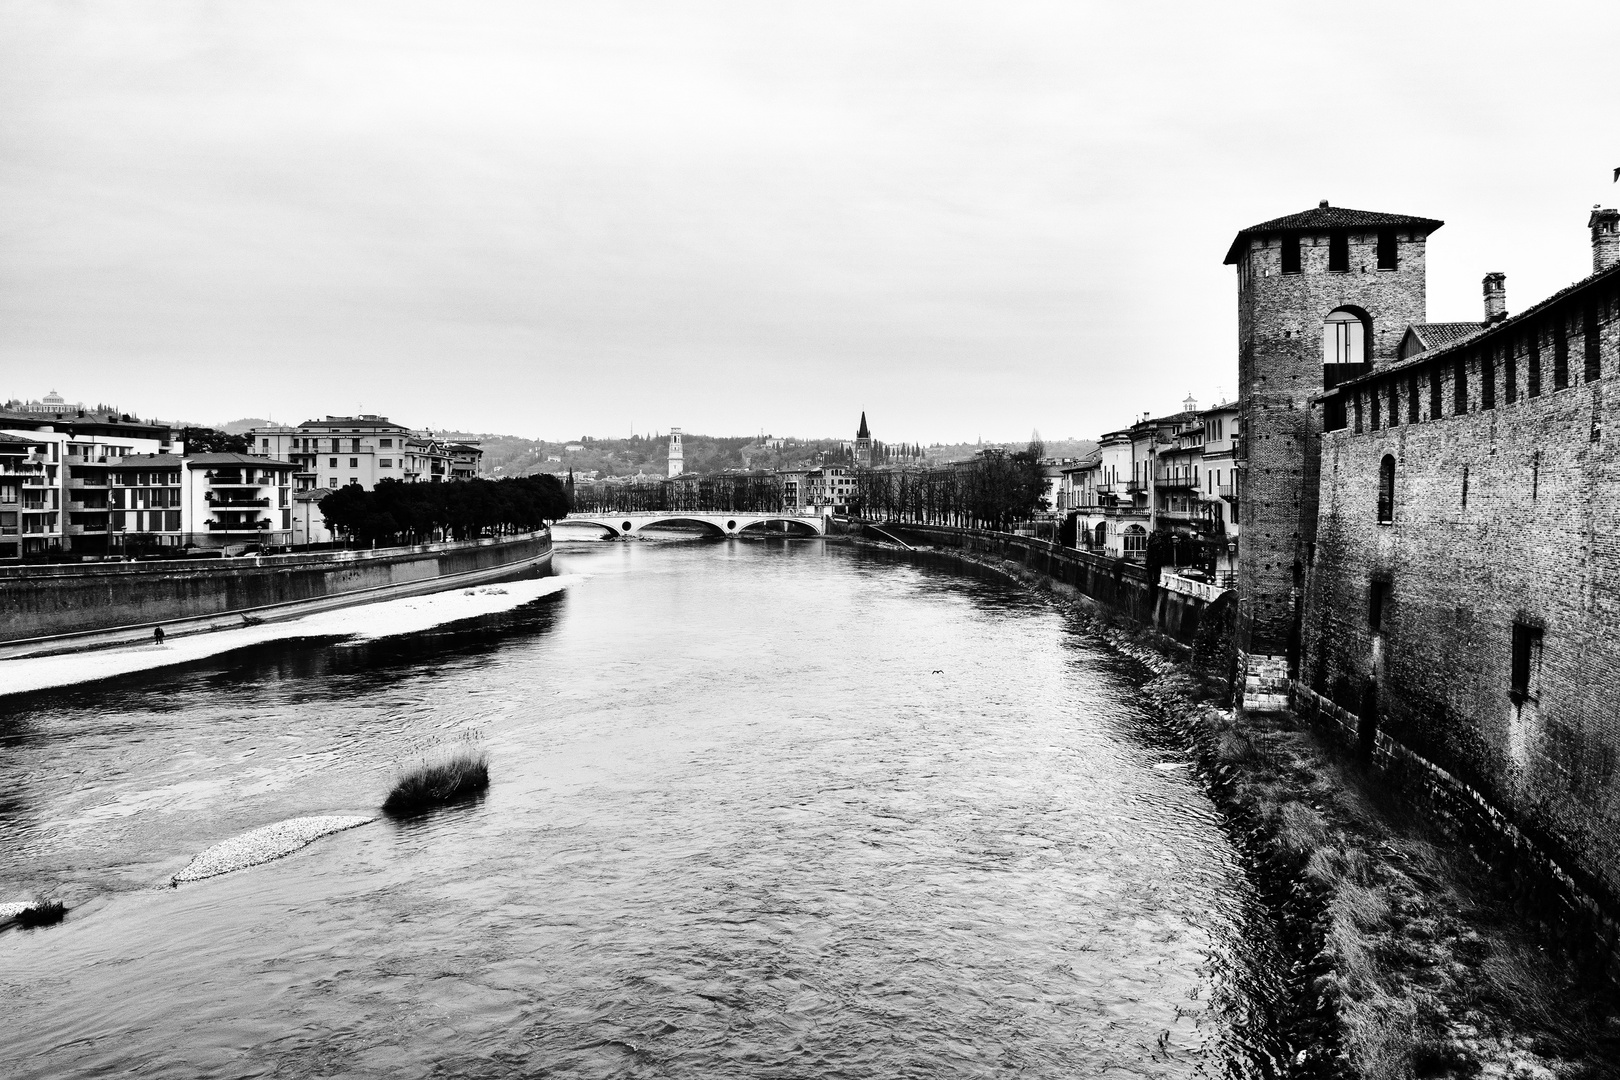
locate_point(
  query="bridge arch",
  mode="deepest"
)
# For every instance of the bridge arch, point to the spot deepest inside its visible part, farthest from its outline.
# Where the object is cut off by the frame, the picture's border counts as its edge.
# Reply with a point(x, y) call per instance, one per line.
point(721, 524)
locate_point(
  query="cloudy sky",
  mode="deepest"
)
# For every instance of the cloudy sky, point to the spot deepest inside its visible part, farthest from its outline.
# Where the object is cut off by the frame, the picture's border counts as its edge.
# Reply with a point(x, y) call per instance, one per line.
point(590, 218)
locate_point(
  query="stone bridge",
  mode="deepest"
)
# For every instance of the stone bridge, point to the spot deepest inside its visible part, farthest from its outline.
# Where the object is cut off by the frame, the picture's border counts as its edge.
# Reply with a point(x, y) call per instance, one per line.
point(618, 525)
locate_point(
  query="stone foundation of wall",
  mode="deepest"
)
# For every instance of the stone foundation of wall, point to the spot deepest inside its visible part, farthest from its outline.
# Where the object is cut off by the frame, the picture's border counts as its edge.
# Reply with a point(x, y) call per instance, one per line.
point(1545, 893)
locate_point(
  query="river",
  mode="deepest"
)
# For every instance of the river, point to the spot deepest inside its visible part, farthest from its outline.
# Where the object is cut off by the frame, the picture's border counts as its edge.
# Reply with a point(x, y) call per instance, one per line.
point(771, 808)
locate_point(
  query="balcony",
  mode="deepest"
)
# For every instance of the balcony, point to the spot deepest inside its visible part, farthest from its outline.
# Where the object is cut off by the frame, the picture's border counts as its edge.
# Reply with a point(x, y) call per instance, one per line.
point(239, 526)
point(1132, 486)
point(77, 482)
point(237, 504)
point(1173, 482)
point(1227, 491)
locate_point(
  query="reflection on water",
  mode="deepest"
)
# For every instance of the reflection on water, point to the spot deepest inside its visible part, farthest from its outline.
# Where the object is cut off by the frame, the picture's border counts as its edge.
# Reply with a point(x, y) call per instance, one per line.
point(774, 809)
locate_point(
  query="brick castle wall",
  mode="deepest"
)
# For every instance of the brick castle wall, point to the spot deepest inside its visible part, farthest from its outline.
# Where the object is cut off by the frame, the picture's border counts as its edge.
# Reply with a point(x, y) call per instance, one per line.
point(1535, 541)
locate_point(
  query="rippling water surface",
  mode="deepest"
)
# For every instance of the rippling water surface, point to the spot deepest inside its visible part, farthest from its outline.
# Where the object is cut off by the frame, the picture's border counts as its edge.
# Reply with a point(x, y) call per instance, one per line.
point(757, 809)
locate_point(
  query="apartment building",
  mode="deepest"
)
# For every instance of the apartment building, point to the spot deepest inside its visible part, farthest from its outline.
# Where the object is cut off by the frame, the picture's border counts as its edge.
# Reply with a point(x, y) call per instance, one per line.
point(342, 450)
point(62, 489)
point(464, 459)
point(230, 499)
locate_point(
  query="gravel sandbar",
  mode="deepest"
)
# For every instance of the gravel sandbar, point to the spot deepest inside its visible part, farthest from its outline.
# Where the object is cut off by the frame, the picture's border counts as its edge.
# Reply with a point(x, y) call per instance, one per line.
point(264, 844)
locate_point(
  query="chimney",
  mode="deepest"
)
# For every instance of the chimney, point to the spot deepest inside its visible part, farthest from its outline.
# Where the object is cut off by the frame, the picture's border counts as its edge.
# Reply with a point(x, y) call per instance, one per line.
point(1605, 226)
point(1495, 297)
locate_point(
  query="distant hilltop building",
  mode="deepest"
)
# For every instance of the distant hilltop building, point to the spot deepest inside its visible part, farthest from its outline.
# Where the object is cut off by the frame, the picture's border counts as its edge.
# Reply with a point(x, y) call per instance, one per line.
point(677, 457)
point(51, 403)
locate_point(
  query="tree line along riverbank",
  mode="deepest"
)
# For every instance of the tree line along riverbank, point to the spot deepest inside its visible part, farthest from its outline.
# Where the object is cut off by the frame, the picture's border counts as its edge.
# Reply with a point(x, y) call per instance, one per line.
point(1406, 955)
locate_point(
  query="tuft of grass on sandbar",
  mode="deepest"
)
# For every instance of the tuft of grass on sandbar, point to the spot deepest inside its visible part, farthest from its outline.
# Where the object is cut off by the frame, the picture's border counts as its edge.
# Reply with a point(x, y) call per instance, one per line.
point(43, 913)
point(440, 783)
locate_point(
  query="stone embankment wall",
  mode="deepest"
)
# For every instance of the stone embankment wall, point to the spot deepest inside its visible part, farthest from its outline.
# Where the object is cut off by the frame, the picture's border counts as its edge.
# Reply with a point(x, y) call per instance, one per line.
point(1122, 587)
point(44, 601)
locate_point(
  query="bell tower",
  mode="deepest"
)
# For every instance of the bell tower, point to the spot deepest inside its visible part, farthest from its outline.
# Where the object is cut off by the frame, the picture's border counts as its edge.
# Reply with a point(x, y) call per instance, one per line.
point(1322, 295)
point(677, 462)
point(863, 443)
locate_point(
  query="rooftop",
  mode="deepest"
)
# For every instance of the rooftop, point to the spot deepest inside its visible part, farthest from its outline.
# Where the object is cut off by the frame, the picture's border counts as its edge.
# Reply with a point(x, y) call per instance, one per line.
point(1433, 335)
point(194, 461)
point(1491, 330)
point(151, 459)
point(368, 421)
point(1325, 217)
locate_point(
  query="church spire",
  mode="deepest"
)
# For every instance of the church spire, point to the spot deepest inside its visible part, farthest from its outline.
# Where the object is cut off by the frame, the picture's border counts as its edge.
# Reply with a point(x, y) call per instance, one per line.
point(863, 433)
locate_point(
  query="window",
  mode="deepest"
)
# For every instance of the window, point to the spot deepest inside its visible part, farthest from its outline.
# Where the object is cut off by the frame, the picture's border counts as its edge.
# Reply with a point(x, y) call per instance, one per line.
point(1386, 490)
point(386, 444)
point(385, 463)
point(1459, 386)
point(1394, 403)
point(1560, 354)
point(354, 446)
point(1377, 602)
point(1532, 363)
point(1374, 401)
point(266, 444)
point(1510, 372)
point(1487, 380)
point(354, 463)
point(332, 483)
point(1526, 663)
point(1338, 251)
point(1102, 534)
point(1589, 333)
point(1387, 250)
point(1290, 254)
point(354, 479)
point(1344, 338)
point(1434, 393)
point(1412, 400)
point(1135, 540)
point(334, 463)
point(1358, 414)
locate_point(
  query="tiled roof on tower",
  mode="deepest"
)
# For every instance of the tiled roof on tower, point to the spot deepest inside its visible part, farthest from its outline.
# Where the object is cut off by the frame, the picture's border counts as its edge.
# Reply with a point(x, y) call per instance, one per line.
point(1326, 217)
point(863, 433)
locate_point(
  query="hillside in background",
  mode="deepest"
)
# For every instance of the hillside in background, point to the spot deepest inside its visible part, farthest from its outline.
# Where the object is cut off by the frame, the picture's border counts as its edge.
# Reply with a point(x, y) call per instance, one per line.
point(648, 455)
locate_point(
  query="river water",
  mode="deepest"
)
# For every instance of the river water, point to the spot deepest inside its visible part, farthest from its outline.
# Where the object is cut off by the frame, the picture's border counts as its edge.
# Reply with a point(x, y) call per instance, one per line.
point(774, 808)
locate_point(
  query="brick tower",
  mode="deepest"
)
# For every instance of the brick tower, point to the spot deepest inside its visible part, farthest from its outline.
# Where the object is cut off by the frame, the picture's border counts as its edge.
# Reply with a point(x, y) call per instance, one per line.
point(1320, 294)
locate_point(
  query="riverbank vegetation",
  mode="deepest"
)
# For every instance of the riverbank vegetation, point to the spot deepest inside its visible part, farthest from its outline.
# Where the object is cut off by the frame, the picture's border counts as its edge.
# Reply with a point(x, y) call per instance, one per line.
point(42, 912)
point(1416, 962)
point(395, 512)
point(463, 775)
point(1409, 957)
point(991, 491)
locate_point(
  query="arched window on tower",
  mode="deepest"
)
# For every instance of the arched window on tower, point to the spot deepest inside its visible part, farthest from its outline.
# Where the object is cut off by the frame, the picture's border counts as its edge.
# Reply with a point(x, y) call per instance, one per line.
point(1344, 338)
point(1386, 490)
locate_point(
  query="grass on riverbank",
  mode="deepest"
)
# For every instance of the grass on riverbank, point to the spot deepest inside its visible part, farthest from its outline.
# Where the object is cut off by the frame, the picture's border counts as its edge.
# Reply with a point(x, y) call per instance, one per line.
point(1426, 965)
point(431, 784)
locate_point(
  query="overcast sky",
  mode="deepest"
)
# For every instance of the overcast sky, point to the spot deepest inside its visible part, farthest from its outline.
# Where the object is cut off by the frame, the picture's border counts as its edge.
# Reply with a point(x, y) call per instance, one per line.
point(592, 218)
